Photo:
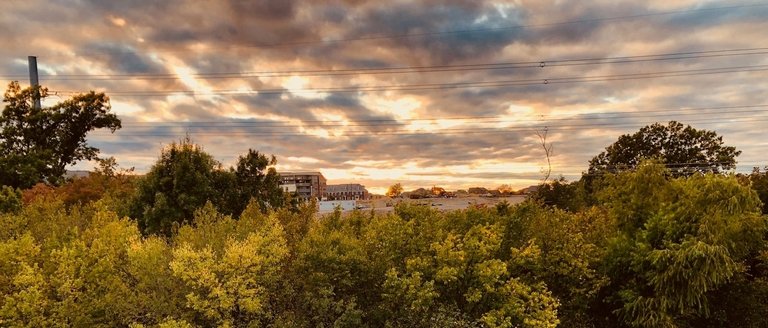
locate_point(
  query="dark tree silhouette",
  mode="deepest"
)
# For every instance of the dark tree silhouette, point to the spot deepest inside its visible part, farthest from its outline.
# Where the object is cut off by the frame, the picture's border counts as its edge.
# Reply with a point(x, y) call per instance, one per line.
point(683, 149)
point(36, 144)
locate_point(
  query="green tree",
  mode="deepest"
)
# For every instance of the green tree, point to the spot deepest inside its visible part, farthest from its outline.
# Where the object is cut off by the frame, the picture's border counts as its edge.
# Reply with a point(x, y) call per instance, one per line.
point(36, 144)
point(333, 272)
point(566, 252)
point(759, 181)
point(180, 182)
point(560, 193)
point(10, 200)
point(186, 177)
point(683, 149)
point(256, 178)
point(681, 239)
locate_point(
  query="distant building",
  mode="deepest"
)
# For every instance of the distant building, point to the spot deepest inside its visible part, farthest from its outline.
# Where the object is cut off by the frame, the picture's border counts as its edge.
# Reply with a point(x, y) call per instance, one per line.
point(76, 174)
point(306, 185)
point(351, 191)
point(477, 191)
point(529, 190)
point(330, 205)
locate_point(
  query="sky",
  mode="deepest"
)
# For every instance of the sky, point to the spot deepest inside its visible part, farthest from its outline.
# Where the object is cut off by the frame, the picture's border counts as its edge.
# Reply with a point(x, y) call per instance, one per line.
point(426, 93)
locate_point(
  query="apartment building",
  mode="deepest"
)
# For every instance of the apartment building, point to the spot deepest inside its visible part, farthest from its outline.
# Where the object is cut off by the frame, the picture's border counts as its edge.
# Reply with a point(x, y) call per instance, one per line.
point(350, 191)
point(306, 185)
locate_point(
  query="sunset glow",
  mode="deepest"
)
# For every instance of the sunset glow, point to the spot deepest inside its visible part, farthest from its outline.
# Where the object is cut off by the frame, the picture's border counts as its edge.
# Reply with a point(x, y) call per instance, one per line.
point(448, 95)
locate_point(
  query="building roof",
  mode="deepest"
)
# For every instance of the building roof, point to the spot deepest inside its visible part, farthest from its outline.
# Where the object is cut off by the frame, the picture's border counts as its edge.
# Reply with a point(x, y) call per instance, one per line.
point(345, 187)
point(76, 174)
point(299, 173)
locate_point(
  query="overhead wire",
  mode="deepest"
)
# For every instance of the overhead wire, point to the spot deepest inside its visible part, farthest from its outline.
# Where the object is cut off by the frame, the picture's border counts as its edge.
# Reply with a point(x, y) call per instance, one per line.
point(505, 83)
point(544, 63)
point(606, 169)
point(609, 169)
point(457, 131)
point(400, 120)
point(438, 86)
point(465, 119)
point(441, 33)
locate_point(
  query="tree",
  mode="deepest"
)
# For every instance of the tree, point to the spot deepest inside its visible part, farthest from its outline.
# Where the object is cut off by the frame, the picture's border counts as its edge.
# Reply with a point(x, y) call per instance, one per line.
point(506, 189)
point(547, 152)
point(10, 200)
point(681, 240)
point(230, 267)
point(256, 177)
point(180, 182)
point(562, 194)
point(683, 149)
point(36, 144)
point(395, 190)
point(107, 181)
point(759, 181)
point(186, 177)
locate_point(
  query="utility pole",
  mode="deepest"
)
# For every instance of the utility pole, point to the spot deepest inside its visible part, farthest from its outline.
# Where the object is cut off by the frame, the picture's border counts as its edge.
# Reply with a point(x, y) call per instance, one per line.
point(33, 80)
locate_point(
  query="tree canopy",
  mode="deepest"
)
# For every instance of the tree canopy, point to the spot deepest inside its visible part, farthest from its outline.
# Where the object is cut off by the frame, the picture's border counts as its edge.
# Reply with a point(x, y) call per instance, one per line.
point(682, 148)
point(759, 181)
point(255, 176)
point(679, 240)
point(657, 251)
point(36, 144)
point(185, 177)
point(181, 181)
point(208, 246)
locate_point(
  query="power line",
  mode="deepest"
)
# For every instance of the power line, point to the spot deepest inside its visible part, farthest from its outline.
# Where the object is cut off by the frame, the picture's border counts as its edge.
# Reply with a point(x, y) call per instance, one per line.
point(448, 131)
point(671, 164)
point(662, 163)
point(466, 121)
point(631, 166)
point(610, 169)
point(437, 86)
point(419, 69)
point(449, 118)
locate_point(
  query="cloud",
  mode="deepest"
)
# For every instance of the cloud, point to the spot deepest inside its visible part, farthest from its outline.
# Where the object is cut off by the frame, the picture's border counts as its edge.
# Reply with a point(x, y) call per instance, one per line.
point(121, 58)
point(267, 9)
point(377, 137)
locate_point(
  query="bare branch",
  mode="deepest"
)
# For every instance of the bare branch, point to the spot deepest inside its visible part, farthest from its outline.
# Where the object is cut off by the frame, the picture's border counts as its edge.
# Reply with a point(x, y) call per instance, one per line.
point(547, 151)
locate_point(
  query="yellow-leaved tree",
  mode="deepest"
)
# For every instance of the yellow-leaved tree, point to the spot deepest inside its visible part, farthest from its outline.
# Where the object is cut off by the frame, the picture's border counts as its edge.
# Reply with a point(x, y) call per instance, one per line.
point(230, 267)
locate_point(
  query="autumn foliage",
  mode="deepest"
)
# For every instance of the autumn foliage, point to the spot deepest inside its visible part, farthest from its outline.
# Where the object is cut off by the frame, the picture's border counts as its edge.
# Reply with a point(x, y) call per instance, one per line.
point(659, 252)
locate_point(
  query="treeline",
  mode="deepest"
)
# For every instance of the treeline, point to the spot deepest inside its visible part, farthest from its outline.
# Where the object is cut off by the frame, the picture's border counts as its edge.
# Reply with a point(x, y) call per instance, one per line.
point(181, 181)
point(578, 195)
point(659, 251)
point(396, 190)
point(682, 150)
